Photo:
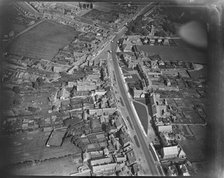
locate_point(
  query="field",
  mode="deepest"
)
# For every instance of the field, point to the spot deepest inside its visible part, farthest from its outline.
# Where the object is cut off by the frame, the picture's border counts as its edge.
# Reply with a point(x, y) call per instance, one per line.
point(169, 53)
point(56, 167)
point(103, 6)
point(42, 41)
point(143, 115)
point(106, 17)
point(18, 28)
point(195, 147)
point(31, 146)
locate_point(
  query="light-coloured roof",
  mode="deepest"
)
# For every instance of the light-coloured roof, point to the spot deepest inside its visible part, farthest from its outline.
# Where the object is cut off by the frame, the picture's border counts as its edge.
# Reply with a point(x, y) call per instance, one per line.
point(104, 167)
point(171, 150)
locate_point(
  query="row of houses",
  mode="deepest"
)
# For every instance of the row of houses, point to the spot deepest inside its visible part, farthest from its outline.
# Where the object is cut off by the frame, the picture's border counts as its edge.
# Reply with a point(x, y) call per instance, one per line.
point(169, 149)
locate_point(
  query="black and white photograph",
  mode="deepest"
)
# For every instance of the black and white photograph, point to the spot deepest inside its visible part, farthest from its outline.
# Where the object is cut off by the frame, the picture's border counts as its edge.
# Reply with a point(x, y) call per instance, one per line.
point(112, 88)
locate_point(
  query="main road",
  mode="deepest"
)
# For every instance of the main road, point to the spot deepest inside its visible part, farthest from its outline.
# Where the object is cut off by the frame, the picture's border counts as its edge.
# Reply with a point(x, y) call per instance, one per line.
point(124, 95)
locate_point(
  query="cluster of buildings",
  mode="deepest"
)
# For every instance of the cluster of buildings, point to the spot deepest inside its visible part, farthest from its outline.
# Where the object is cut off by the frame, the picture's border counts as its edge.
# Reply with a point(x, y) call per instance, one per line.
point(153, 23)
point(70, 97)
point(172, 91)
point(106, 146)
point(92, 37)
point(43, 98)
point(110, 18)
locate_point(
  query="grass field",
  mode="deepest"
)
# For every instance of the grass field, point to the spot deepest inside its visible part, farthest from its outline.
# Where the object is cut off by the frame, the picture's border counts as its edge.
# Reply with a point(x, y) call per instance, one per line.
point(31, 146)
point(102, 16)
point(56, 167)
point(182, 53)
point(195, 148)
point(42, 41)
point(18, 28)
point(142, 114)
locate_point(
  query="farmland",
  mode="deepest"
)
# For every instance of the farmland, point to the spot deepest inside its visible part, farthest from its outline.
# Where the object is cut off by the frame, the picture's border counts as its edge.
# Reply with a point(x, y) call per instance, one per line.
point(58, 167)
point(180, 53)
point(31, 147)
point(42, 41)
point(103, 17)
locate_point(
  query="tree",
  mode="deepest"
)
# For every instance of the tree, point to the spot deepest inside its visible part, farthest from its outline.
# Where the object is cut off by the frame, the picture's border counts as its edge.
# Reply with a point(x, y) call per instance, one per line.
point(38, 83)
point(106, 127)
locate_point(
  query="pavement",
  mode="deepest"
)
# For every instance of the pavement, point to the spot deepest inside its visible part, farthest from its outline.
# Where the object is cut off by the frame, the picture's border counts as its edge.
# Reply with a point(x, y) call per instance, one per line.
point(121, 85)
point(143, 154)
point(150, 161)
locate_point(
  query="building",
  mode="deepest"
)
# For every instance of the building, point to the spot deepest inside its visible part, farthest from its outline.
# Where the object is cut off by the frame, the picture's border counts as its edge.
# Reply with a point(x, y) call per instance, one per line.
point(159, 106)
point(93, 147)
point(86, 87)
point(105, 167)
point(86, 156)
point(133, 39)
point(125, 171)
point(100, 92)
point(96, 154)
point(128, 48)
point(170, 152)
point(104, 160)
point(121, 159)
point(183, 169)
point(124, 138)
point(172, 171)
point(131, 157)
point(134, 169)
point(111, 147)
point(119, 123)
point(168, 138)
point(102, 111)
point(164, 128)
point(139, 93)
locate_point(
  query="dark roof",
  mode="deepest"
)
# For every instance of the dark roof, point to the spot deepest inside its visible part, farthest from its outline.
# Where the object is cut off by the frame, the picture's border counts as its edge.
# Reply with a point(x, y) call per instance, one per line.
point(131, 157)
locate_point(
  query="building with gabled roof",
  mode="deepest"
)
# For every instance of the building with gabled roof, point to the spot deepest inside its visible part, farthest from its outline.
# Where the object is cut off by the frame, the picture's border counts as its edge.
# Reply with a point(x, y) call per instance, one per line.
point(102, 160)
point(105, 167)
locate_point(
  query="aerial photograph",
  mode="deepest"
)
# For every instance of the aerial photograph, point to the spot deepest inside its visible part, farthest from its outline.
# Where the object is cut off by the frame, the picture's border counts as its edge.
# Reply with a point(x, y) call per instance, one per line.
point(106, 88)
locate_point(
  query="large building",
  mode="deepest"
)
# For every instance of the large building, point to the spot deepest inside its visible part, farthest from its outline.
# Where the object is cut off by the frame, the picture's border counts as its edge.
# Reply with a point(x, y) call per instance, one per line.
point(170, 152)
